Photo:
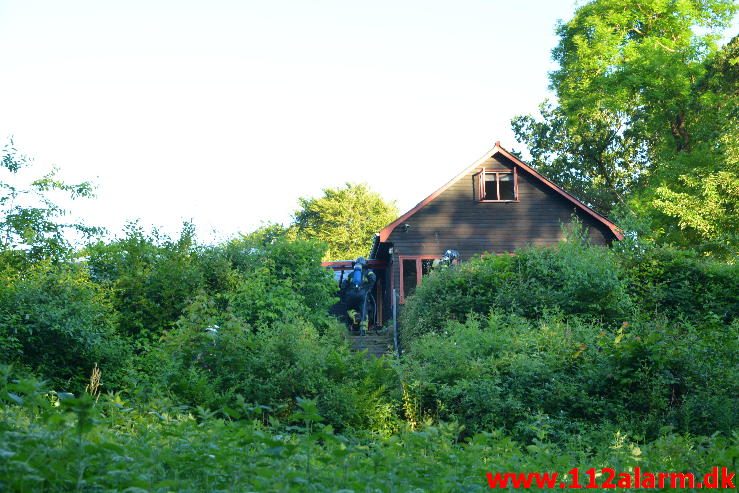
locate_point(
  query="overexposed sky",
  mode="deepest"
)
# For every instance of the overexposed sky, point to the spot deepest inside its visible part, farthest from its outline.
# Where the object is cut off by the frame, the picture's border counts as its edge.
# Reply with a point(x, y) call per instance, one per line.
point(225, 112)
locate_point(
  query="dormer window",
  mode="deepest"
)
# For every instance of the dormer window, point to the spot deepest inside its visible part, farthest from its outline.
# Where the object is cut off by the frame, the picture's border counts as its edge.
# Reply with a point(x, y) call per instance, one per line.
point(498, 185)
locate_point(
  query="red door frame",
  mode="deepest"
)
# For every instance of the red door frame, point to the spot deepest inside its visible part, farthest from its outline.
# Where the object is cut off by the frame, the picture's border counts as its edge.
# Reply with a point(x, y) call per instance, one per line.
point(419, 271)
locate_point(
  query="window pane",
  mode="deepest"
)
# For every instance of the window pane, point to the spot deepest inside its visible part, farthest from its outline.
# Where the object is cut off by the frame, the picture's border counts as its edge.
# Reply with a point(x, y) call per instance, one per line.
point(426, 266)
point(410, 277)
point(507, 190)
point(491, 190)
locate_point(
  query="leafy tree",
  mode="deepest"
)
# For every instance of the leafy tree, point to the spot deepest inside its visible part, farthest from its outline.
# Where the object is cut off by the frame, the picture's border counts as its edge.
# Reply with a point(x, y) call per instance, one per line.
point(626, 91)
point(345, 219)
point(596, 163)
point(696, 197)
point(31, 225)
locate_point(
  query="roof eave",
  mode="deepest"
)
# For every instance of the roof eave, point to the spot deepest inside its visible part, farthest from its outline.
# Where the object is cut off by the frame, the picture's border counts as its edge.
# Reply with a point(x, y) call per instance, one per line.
point(374, 247)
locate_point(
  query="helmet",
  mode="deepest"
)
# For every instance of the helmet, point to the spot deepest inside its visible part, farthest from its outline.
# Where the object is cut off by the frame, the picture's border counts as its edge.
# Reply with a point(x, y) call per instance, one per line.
point(361, 261)
point(450, 256)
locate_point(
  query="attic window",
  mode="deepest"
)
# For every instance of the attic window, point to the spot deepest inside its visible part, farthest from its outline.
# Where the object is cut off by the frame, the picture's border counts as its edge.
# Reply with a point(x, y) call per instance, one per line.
point(498, 185)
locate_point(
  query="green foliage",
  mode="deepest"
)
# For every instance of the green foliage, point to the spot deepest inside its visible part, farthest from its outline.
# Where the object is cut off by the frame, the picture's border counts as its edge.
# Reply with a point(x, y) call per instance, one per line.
point(678, 283)
point(345, 219)
point(452, 294)
point(704, 205)
point(594, 162)
point(55, 321)
point(231, 363)
point(231, 376)
point(150, 278)
point(636, 63)
point(260, 278)
point(259, 331)
point(695, 195)
point(573, 277)
point(646, 116)
point(558, 379)
point(483, 348)
point(276, 276)
point(30, 219)
point(116, 445)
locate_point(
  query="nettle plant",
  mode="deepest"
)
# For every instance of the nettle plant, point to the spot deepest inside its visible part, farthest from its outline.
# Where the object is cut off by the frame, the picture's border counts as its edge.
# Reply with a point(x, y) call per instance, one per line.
point(61, 442)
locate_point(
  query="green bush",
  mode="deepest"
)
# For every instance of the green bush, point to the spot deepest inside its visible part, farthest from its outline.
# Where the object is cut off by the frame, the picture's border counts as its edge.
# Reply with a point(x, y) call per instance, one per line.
point(674, 282)
point(557, 377)
point(268, 339)
point(273, 366)
point(277, 276)
point(52, 442)
point(571, 277)
point(150, 278)
point(56, 322)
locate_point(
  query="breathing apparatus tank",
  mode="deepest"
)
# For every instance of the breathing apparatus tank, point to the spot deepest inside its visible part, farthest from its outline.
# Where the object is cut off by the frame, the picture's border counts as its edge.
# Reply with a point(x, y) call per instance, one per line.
point(357, 274)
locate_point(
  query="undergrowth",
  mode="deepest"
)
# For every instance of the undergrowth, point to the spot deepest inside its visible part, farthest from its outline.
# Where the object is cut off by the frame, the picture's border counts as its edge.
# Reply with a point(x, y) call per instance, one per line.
point(59, 442)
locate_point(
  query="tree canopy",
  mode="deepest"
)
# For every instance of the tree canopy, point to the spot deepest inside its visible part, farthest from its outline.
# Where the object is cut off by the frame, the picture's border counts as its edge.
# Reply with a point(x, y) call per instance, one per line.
point(645, 116)
point(344, 218)
point(696, 193)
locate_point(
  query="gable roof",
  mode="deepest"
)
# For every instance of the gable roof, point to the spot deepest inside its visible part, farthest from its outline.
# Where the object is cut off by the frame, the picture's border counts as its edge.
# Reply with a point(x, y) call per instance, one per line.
point(498, 149)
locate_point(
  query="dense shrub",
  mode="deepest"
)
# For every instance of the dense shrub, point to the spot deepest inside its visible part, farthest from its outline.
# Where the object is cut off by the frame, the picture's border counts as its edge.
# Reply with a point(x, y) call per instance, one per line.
point(150, 277)
point(275, 365)
point(236, 354)
point(681, 283)
point(56, 322)
point(274, 277)
point(116, 445)
point(572, 277)
point(261, 277)
point(265, 298)
point(454, 293)
point(560, 377)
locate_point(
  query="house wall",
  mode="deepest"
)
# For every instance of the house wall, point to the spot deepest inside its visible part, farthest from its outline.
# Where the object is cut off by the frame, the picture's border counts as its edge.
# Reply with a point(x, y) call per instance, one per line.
point(457, 220)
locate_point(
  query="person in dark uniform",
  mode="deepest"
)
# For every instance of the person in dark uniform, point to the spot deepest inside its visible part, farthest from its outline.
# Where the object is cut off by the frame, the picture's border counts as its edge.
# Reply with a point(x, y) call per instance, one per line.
point(357, 291)
point(450, 259)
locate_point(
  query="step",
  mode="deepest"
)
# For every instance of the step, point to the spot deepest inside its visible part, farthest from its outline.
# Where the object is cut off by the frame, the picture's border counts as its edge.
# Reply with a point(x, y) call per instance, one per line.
point(375, 344)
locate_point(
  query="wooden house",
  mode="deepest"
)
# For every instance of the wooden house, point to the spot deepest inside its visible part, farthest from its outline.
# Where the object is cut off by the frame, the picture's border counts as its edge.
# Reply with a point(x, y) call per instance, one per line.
point(497, 204)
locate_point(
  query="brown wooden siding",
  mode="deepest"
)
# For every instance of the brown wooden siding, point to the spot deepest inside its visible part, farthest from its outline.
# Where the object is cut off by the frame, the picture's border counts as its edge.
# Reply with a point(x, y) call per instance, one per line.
point(456, 220)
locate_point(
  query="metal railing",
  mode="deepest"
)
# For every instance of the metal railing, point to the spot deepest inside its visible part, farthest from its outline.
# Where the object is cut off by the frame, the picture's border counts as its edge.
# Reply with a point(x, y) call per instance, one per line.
point(396, 338)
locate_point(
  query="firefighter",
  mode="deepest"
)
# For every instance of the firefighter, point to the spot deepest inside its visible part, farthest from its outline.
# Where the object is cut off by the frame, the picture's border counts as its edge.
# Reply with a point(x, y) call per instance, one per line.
point(357, 292)
point(450, 258)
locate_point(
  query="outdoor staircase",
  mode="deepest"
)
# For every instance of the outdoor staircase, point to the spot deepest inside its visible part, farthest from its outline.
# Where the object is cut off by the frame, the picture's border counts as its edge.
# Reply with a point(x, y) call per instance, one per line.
point(376, 343)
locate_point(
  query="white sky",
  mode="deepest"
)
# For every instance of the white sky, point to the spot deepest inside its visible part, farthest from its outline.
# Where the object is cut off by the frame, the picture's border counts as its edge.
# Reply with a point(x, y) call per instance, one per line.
point(225, 113)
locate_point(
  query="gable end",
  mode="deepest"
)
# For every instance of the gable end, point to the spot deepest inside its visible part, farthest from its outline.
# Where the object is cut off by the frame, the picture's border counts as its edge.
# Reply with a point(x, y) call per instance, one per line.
point(499, 159)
